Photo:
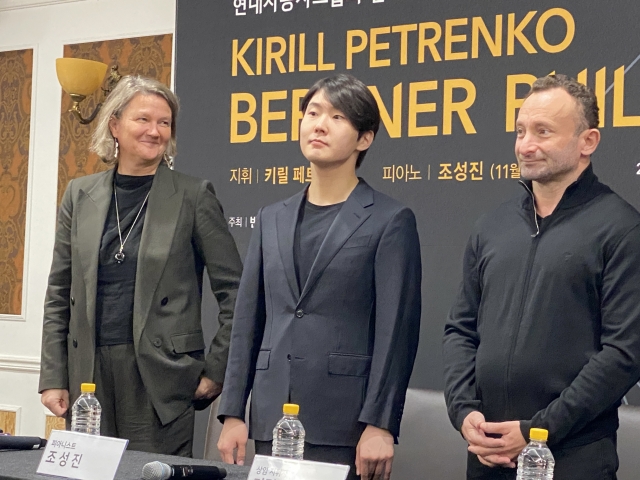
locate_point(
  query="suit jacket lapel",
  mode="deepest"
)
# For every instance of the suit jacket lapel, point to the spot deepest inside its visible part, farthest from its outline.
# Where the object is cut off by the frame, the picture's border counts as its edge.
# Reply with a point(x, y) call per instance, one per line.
point(286, 220)
point(93, 207)
point(161, 217)
point(349, 218)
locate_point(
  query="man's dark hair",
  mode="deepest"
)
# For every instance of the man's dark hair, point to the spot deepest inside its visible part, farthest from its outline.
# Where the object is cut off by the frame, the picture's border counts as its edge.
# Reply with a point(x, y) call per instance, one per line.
point(583, 95)
point(353, 98)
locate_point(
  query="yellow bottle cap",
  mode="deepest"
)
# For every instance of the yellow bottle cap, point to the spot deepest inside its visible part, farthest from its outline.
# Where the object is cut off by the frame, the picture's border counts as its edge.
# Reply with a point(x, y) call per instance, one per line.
point(538, 434)
point(290, 409)
point(88, 387)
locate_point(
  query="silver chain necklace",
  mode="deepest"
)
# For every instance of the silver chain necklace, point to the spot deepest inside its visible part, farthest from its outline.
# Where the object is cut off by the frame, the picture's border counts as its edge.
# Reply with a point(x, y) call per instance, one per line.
point(120, 255)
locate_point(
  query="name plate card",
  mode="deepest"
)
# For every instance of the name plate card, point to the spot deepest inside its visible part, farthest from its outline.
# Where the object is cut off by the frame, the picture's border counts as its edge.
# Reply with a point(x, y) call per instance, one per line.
point(278, 468)
point(81, 456)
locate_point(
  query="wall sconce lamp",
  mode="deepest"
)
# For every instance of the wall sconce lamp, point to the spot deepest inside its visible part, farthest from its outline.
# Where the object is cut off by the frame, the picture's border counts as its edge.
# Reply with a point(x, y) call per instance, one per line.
point(79, 78)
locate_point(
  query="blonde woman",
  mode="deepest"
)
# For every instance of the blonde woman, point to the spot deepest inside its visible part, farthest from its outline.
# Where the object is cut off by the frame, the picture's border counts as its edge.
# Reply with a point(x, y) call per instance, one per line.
point(122, 308)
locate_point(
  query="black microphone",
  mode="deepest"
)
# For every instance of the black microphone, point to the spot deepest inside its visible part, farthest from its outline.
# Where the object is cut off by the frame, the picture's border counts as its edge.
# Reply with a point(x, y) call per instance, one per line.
point(9, 442)
point(162, 471)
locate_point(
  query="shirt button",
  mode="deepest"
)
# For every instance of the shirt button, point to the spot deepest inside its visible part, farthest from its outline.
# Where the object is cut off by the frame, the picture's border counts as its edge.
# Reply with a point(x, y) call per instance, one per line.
point(157, 342)
point(75, 343)
point(299, 313)
point(164, 301)
point(289, 357)
point(73, 301)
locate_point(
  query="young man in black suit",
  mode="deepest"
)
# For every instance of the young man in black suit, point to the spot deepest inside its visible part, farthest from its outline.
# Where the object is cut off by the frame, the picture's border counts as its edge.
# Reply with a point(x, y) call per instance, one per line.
point(328, 312)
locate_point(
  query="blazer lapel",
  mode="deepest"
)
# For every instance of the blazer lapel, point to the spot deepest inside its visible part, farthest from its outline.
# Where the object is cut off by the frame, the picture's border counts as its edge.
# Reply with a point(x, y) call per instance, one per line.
point(286, 220)
point(349, 218)
point(93, 207)
point(161, 217)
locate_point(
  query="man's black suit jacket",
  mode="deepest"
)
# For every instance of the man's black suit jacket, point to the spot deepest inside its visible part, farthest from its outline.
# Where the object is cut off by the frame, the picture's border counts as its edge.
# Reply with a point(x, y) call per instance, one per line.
point(343, 348)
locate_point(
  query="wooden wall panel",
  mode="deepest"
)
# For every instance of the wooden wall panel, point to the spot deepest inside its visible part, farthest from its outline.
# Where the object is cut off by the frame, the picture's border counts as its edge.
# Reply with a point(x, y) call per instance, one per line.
point(16, 69)
point(53, 423)
point(148, 56)
point(8, 421)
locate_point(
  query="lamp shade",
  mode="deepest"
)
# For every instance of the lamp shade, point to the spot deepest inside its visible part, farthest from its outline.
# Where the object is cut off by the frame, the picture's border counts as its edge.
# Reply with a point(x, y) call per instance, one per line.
point(79, 76)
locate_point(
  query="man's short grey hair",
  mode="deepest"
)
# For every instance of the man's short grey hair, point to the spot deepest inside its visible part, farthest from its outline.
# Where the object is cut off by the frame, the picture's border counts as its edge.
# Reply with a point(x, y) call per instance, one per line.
point(128, 87)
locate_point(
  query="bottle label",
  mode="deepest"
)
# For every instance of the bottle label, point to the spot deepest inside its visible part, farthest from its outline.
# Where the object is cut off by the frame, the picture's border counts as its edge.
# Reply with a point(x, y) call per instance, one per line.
point(278, 468)
point(81, 456)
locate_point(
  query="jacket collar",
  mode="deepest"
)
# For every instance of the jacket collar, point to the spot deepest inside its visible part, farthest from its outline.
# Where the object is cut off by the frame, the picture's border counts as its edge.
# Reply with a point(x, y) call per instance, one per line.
point(584, 189)
point(363, 194)
point(160, 222)
point(352, 214)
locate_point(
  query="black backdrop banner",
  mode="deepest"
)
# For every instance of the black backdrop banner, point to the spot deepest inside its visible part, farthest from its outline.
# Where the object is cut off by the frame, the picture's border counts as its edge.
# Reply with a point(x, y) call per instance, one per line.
point(449, 77)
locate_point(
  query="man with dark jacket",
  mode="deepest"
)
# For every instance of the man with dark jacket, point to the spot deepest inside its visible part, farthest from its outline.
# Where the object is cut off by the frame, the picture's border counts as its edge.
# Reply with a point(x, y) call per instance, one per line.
point(328, 311)
point(545, 331)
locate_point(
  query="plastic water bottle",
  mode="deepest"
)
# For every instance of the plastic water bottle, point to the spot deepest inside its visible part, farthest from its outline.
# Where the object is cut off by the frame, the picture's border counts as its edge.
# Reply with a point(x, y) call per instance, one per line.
point(86, 411)
point(536, 462)
point(288, 436)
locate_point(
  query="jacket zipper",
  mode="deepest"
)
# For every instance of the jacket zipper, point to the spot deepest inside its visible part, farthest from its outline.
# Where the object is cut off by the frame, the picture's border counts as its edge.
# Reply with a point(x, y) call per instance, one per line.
point(535, 210)
point(525, 288)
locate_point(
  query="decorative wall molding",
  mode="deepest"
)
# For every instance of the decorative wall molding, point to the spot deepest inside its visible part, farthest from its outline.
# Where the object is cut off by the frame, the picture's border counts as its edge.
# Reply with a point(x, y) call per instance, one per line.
point(11, 363)
point(22, 317)
point(5, 317)
point(16, 102)
point(17, 4)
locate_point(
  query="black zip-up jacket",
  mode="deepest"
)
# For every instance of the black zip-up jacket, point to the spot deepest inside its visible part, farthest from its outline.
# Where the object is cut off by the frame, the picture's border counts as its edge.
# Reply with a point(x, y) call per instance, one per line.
point(546, 327)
